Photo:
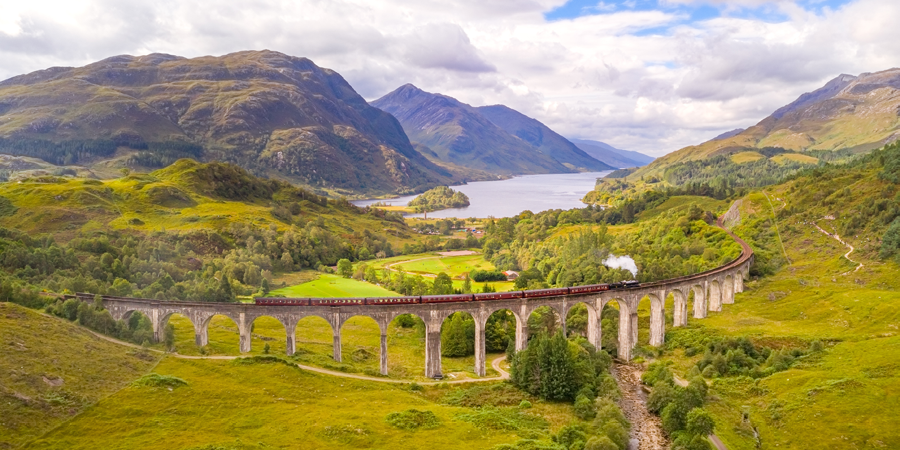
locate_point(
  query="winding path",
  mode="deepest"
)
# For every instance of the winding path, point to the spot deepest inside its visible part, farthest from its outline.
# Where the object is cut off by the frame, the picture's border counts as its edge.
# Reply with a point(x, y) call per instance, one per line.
point(846, 255)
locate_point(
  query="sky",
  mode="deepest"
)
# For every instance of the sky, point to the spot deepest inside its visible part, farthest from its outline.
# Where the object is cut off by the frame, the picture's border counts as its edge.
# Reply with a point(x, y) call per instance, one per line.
point(646, 75)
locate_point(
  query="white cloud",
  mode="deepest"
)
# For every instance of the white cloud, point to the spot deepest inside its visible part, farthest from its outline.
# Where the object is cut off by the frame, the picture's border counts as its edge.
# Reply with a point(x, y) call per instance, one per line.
point(598, 76)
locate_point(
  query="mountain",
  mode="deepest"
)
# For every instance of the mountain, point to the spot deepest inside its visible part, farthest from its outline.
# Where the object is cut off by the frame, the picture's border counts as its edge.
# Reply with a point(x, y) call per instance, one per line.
point(459, 134)
point(271, 113)
point(613, 156)
point(541, 137)
point(858, 113)
point(728, 134)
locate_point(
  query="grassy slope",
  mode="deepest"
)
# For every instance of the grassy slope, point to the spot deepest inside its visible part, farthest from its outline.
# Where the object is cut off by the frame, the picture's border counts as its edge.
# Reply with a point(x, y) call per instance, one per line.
point(165, 199)
point(829, 399)
point(38, 350)
point(266, 406)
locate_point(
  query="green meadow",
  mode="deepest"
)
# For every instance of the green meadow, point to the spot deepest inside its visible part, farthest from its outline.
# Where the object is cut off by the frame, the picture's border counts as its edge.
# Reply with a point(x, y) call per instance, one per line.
point(328, 285)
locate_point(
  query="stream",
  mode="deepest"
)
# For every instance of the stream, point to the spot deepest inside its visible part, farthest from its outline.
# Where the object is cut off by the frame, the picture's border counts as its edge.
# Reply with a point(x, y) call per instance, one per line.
point(646, 428)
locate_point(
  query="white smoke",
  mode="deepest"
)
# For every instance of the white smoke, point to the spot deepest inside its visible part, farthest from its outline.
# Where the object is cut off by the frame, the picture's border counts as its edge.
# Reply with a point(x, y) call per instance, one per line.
point(621, 262)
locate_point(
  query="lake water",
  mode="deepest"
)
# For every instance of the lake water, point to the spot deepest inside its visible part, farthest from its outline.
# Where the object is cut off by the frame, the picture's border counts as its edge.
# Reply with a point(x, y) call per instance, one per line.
point(507, 198)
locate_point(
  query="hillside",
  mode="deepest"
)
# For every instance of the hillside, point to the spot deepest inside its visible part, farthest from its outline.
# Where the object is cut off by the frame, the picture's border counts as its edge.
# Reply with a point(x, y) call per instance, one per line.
point(857, 113)
point(185, 196)
point(51, 370)
point(268, 112)
point(459, 134)
point(613, 156)
point(541, 137)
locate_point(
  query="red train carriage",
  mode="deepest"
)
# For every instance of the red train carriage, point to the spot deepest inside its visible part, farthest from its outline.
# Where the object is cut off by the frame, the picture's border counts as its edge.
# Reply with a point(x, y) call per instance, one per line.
point(282, 301)
point(552, 292)
point(447, 298)
point(498, 296)
point(589, 289)
point(391, 300)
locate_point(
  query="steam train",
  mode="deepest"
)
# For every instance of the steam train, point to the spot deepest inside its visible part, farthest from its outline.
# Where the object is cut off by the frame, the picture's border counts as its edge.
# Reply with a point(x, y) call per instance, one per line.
point(376, 301)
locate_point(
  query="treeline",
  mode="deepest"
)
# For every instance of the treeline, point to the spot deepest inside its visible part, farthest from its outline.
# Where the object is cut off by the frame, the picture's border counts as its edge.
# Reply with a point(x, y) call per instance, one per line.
point(63, 153)
point(162, 154)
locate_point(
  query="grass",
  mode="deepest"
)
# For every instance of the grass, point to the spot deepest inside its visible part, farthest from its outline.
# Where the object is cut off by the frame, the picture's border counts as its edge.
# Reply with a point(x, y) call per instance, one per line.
point(328, 285)
point(51, 370)
point(745, 157)
point(265, 406)
point(795, 157)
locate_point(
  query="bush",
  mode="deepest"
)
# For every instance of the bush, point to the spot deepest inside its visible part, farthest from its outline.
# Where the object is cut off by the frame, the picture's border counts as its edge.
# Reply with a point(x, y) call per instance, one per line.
point(584, 408)
point(487, 275)
point(607, 410)
point(524, 404)
point(657, 372)
point(616, 433)
point(161, 381)
point(412, 419)
point(600, 443)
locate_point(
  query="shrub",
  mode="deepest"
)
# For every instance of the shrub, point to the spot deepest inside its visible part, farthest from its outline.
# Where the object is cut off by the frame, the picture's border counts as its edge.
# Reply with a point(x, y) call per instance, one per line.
point(584, 408)
point(160, 381)
point(600, 443)
point(412, 419)
point(571, 436)
point(607, 410)
point(524, 404)
point(616, 433)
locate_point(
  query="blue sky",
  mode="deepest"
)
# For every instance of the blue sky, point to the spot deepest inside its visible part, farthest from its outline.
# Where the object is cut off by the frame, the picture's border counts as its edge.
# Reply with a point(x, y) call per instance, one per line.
point(690, 12)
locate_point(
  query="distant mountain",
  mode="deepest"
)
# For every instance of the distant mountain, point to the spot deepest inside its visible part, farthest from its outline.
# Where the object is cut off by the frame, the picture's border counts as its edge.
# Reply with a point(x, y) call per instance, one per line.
point(859, 113)
point(271, 113)
point(613, 156)
point(728, 134)
point(461, 135)
point(542, 137)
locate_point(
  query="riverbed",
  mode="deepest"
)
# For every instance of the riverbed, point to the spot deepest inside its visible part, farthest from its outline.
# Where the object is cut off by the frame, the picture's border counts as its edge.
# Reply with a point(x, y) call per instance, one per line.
point(507, 198)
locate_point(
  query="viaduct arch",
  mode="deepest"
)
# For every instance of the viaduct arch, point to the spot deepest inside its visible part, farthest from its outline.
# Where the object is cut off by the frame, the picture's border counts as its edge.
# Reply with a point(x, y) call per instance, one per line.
point(711, 290)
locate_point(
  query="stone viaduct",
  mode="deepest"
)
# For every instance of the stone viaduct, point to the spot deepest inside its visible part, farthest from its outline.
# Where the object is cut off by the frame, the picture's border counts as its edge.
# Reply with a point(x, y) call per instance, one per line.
point(711, 290)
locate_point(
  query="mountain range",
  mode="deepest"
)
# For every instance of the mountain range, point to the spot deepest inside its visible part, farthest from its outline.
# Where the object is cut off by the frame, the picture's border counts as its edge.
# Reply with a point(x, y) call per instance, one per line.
point(858, 113)
point(615, 157)
point(469, 137)
point(273, 114)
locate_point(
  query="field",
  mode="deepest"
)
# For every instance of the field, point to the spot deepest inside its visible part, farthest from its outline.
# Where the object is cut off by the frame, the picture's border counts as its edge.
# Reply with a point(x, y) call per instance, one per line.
point(430, 264)
point(328, 285)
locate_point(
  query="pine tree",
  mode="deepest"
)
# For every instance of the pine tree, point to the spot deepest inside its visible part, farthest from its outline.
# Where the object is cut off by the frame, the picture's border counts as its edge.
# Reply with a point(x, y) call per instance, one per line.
point(225, 293)
point(453, 337)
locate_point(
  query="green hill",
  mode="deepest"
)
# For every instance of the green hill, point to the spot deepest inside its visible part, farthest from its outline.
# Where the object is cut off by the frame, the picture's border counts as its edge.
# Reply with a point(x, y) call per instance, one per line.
point(265, 111)
point(52, 370)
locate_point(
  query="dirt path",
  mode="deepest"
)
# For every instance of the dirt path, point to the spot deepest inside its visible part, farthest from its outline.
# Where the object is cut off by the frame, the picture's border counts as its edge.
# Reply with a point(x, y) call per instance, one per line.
point(646, 428)
point(495, 364)
point(846, 255)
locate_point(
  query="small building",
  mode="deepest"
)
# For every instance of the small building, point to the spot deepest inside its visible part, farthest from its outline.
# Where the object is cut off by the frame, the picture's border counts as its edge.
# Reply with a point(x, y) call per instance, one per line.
point(511, 275)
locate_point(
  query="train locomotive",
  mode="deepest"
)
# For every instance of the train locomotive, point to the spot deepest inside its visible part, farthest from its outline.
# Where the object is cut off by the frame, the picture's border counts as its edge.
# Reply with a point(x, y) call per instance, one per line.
point(450, 298)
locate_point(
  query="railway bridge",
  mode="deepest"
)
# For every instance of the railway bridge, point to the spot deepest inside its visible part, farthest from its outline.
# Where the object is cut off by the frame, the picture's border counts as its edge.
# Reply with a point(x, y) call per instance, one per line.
point(711, 290)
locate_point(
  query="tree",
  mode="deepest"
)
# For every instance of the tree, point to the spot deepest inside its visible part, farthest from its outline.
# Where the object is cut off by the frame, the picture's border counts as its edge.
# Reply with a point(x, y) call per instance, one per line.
point(442, 284)
point(558, 371)
point(453, 337)
point(699, 422)
point(345, 268)
point(264, 286)
point(169, 337)
point(467, 284)
point(225, 292)
point(584, 408)
point(663, 393)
